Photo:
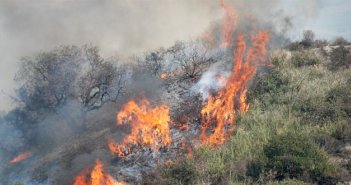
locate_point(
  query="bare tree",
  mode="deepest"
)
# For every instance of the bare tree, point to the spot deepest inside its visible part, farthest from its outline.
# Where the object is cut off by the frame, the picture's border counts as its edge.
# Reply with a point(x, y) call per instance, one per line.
point(193, 58)
point(51, 78)
point(101, 81)
point(308, 38)
point(48, 78)
point(153, 61)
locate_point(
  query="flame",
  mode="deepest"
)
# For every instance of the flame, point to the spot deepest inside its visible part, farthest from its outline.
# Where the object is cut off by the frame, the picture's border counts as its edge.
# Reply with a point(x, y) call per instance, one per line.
point(96, 177)
point(149, 127)
point(163, 75)
point(219, 111)
point(21, 157)
point(229, 23)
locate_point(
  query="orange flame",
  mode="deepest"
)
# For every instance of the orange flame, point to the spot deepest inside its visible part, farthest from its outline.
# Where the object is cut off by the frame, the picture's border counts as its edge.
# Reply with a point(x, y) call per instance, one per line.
point(149, 127)
point(220, 108)
point(96, 177)
point(21, 157)
point(229, 23)
point(164, 75)
point(219, 111)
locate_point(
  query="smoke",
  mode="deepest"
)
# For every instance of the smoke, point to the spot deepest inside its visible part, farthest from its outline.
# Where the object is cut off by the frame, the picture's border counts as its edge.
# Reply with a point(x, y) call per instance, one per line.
point(212, 80)
point(119, 28)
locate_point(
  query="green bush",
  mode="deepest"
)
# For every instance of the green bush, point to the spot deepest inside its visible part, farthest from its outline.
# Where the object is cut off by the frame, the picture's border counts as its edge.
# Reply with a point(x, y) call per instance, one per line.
point(268, 86)
point(183, 172)
point(335, 106)
point(340, 99)
point(295, 155)
point(304, 58)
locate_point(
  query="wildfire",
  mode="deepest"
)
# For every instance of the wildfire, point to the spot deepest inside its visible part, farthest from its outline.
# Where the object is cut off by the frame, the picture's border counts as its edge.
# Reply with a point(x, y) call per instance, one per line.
point(219, 111)
point(21, 157)
point(149, 127)
point(96, 177)
point(164, 75)
point(229, 23)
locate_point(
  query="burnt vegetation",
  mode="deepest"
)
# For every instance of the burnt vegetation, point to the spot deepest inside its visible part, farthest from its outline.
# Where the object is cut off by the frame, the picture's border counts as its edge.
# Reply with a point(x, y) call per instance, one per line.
point(297, 130)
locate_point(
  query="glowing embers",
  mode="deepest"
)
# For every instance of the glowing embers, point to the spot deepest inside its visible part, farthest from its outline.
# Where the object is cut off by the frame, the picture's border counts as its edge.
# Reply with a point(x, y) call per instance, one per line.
point(97, 176)
point(149, 127)
point(21, 157)
point(219, 111)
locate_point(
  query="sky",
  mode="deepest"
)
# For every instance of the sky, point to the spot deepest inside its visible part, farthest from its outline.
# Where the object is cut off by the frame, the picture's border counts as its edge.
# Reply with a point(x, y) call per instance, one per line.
point(329, 19)
point(126, 27)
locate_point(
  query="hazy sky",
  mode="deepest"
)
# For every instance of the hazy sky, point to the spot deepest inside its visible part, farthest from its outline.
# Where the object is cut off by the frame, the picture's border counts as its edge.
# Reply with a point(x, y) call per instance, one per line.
point(124, 27)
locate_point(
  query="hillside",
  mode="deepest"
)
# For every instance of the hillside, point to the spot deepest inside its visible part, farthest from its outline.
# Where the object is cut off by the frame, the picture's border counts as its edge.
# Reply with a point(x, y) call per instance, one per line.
point(297, 130)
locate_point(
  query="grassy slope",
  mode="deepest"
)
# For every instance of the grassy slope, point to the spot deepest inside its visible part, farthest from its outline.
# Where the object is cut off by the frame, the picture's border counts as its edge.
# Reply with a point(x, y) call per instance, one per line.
point(297, 111)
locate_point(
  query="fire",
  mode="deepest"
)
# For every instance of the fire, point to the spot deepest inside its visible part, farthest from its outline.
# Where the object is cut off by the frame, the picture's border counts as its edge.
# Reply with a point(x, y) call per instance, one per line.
point(164, 75)
point(149, 127)
point(229, 23)
point(97, 177)
point(21, 157)
point(219, 111)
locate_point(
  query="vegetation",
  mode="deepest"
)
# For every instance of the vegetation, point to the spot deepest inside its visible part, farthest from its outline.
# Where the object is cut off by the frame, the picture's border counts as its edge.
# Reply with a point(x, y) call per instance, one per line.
point(297, 108)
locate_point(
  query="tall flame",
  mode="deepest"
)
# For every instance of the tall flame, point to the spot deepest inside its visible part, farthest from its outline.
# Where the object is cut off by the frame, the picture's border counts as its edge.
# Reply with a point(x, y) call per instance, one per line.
point(229, 23)
point(219, 110)
point(97, 177)
point(149, 127)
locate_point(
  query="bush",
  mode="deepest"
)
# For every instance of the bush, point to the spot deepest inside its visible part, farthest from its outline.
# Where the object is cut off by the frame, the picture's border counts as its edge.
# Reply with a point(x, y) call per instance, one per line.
point(333, 107)
point(268, 86)
point(340, 41)
point(340, 57)
point(287, 182)
point(304, 58)
point(183, 172)
point(295, 155)
point(342, 131)
point(340, 99)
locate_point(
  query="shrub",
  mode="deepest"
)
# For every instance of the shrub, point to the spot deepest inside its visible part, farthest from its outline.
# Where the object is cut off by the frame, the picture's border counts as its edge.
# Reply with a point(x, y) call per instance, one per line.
point(340, 41)
point(304, 58)
point(295, 155)
point(287, 182)
point(183, 172)
point(334, 107)
point(340, 57)
point(342, 131)
point(268, 86)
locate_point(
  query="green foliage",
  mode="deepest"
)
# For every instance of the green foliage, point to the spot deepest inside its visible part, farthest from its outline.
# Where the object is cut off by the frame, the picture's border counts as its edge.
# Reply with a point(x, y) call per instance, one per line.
point(183, 172)
point(295, 155)
point(296, 108)
point(272, 83)
point(304, 58)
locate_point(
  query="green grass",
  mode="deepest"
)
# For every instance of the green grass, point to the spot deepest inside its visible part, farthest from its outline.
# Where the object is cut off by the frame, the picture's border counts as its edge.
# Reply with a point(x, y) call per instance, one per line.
point(291, 106)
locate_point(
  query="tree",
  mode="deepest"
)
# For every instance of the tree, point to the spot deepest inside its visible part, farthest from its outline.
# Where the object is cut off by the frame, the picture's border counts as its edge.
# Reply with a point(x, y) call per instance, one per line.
point(48, 77)
point(193, 58)
point(101, 82)
point(308, 38)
